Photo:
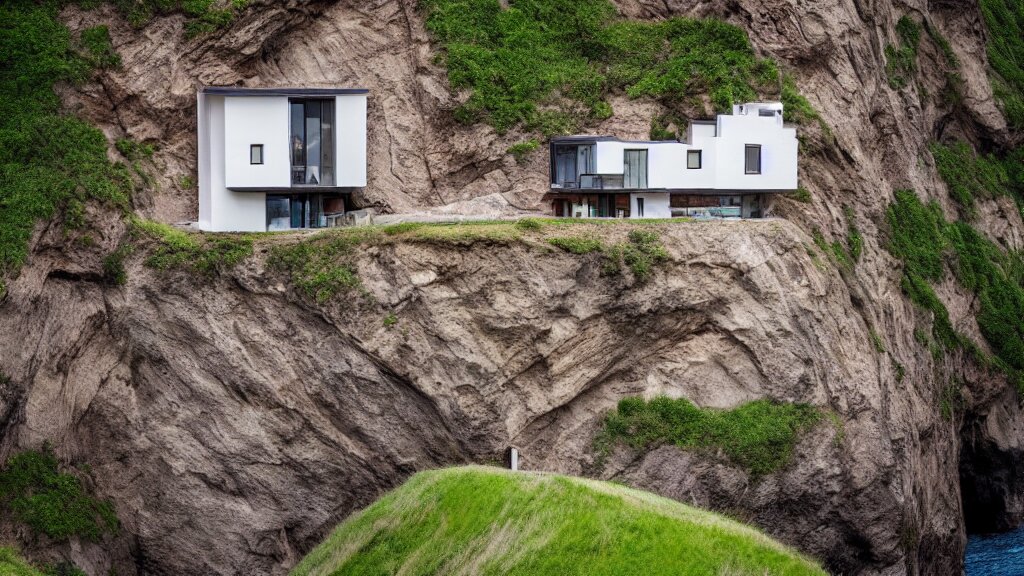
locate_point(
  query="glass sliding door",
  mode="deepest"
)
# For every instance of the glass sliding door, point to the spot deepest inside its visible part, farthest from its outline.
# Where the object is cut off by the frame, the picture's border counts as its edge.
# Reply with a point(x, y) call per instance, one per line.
point(635, 169)
point(312, 142)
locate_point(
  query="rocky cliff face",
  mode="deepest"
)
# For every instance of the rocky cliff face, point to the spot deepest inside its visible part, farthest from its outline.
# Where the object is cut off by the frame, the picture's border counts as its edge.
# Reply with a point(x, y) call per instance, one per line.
point(233, 421)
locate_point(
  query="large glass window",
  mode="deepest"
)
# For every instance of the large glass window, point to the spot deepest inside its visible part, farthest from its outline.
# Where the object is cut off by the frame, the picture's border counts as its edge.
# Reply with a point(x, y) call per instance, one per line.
point(312, 142)
point(753, 159)
point(635, 169)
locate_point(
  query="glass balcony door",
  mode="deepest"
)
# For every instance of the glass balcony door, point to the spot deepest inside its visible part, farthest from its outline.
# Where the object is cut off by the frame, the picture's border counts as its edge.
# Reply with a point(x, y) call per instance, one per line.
point(312, 142)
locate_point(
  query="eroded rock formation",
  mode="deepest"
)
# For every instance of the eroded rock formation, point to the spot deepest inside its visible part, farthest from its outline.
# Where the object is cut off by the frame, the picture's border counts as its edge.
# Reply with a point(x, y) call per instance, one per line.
point(233, 422)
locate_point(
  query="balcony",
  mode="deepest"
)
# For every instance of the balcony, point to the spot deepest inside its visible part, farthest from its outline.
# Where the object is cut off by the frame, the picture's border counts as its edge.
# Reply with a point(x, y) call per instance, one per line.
point(593, 182)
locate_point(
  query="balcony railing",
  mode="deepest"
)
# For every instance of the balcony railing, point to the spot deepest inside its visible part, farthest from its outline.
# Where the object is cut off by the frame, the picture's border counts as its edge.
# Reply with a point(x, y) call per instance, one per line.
point(594, 182)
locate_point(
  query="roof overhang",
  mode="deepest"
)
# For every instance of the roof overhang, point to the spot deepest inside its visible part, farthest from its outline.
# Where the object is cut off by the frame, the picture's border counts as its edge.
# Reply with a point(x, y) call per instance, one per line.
point(284, 91)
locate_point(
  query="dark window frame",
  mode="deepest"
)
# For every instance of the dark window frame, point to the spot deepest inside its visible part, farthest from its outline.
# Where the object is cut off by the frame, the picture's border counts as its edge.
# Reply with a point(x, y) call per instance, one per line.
point(746, 162)
point(253, 148)
point(700, 159)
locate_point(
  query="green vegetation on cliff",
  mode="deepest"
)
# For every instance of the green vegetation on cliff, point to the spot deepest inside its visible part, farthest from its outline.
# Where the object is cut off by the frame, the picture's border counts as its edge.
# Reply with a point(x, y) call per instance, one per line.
point(1005, 22)
point(48, 160)
point(971, 176)
point(901, 59)
point(485, 521)
point(758, 436)
point(921, 237)
point(13, 565)
point(35, 492)
point(550, 65)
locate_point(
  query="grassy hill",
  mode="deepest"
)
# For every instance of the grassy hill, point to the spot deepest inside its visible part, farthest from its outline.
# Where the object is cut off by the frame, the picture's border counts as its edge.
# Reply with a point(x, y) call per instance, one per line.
point(477, 520)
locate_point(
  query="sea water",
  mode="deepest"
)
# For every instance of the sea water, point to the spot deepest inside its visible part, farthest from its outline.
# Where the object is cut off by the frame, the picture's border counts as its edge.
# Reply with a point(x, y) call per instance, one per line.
point(996, 555)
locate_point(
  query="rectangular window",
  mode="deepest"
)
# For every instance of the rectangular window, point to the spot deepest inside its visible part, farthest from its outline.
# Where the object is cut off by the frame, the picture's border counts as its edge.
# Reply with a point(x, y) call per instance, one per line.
point(635, 169)
point(640, 207)
point(693, 159)
point(753, 159)
point(312, 142)
point(256, 154)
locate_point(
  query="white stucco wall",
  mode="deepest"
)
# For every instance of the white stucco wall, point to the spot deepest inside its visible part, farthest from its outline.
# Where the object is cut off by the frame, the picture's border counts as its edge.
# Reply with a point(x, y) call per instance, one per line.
point(256, 120)
point(723, 159)
point(351, 140)
point(779, 150)
point(220, 209)
point(203, 127)
point(656, 205)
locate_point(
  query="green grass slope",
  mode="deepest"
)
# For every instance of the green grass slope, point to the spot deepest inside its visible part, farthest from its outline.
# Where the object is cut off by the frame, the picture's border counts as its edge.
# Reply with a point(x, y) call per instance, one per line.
point(477, 520)
point(13, 565)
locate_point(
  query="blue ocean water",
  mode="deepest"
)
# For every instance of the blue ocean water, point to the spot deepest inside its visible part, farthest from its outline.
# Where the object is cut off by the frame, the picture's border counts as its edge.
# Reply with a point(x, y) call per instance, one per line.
point(996, 555)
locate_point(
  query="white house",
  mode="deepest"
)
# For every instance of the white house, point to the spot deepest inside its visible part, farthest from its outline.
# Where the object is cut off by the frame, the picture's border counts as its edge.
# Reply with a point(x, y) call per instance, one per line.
point(279, 158)
point(726, 167)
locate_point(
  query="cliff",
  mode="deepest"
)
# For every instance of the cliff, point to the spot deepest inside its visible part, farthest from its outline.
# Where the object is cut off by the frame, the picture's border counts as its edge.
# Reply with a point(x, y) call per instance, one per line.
point(233, 418)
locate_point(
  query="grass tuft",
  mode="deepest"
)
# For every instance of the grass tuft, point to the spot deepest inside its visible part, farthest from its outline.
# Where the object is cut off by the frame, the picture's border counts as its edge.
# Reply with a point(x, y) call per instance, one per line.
point(205, 254)
point(521, 150)
point(901, 60)
point(758, 436)
point(33, 491)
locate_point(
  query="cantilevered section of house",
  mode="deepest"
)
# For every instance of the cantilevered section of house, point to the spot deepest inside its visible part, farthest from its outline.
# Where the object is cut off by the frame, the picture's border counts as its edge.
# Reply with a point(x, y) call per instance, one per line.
point(279, 158)
point(727, 167)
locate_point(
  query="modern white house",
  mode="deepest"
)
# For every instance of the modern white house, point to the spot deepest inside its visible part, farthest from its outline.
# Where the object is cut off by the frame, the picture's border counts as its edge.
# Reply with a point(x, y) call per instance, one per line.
point(727, 167)
point(279, 158)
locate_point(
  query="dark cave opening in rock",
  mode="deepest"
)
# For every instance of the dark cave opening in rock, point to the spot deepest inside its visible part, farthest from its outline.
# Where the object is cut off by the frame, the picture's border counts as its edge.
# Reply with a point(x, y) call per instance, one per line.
point(991, 480)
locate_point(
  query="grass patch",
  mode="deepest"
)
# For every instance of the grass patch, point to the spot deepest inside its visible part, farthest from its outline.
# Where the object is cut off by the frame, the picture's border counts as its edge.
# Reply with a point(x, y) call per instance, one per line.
point(34, 492)
point(11, 564)
point(921, 237)
point(577, 244)
point(521, 150)
point(971, 176)
point(901, 59)
point(48, 160)
point(549, 65)
point(476, 520)
point(640, 253)
point(835, 249)
point(854, 239)
point(323, 266)
point(205, 254)
point(800, 195)
point(758, 436)
point(113, 265)
point(1005, 22)
point(203, 16)
point(98, 49)
point(876, 341)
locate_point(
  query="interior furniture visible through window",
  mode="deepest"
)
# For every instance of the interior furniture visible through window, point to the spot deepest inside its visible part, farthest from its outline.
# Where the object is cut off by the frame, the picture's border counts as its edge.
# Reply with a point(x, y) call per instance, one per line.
point(693, 159)
point(256, 154)
point(753, 159)
point(312, 142)
point(635, 169)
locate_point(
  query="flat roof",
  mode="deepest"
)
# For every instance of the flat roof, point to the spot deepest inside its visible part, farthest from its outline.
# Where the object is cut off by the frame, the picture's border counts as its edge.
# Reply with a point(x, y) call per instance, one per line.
point(281, 91)
point(585, 139)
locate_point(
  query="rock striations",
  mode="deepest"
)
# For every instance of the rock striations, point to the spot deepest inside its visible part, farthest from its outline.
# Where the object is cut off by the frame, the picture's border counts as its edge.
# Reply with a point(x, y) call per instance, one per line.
point(233, 421)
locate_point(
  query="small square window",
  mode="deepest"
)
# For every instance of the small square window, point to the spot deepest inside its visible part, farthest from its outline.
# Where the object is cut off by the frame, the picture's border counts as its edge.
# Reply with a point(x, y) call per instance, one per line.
point(753, 159)
point(693, 159)
point(256, 154)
